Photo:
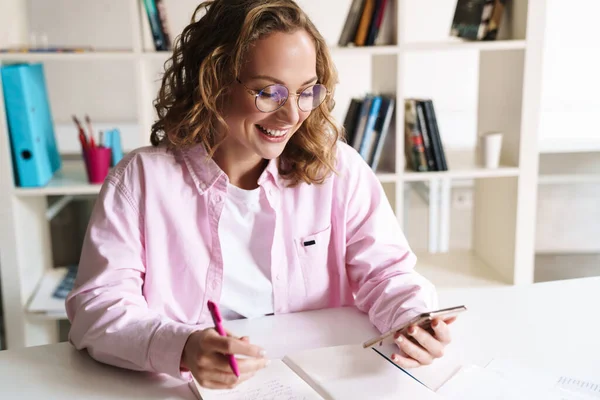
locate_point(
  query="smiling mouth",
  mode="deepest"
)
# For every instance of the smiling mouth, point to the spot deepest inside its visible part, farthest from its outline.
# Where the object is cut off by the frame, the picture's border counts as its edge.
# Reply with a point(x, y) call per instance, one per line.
point(272, 132)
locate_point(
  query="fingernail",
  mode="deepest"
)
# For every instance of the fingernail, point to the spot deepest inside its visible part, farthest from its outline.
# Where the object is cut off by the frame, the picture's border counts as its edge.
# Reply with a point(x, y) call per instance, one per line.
point(412, 330)
point(435, 323)
point(399, 339)
point(262, 353)
point(394, 358)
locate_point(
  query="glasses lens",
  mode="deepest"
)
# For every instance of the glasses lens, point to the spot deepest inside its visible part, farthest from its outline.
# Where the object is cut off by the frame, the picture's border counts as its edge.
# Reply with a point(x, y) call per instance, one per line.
point(312, 97)
point(271, 98)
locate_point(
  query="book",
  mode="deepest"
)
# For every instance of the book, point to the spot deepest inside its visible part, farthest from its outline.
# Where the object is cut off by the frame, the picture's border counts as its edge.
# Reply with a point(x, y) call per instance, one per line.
point(426, 137)
point(376, 22)
point(434, 135)
point(366, 143)
point(164, 23)
point(351, 24)
point(362, 31)
point(413, 148)
point(160, 43)
point(363, 116)
point(30, 125)
point(351, 119)
point(477, 19)
point(339, 372)
point(382, 128)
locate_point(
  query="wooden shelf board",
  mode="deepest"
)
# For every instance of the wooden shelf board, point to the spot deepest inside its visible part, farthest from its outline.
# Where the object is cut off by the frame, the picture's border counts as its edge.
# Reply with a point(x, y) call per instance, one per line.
point(386, 177)
point(492, 45)
point(70, 180)
point(457, 269)
point(462, 165)
point(569, 145)
point(84, 56)
point(559, 179)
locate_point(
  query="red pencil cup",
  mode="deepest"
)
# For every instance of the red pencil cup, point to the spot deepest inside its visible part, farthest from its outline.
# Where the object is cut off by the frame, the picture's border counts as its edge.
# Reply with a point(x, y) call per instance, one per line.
point(97, 163)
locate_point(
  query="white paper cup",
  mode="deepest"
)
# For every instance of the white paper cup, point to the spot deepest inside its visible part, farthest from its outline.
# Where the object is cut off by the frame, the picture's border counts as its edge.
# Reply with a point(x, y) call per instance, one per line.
point(490, 148)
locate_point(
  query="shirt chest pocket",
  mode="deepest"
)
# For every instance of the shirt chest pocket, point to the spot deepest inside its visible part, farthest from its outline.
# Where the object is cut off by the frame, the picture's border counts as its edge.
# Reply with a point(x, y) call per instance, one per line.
point(313, 253)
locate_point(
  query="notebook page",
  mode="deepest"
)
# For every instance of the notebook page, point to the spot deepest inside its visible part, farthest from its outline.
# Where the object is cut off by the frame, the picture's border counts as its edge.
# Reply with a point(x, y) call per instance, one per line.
point(275, 382)
point(351, 372)
point(567, 386)
point(476, 383)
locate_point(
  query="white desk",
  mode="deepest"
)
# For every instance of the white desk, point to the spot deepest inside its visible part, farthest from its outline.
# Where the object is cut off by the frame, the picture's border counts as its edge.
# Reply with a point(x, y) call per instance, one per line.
point(549, 324)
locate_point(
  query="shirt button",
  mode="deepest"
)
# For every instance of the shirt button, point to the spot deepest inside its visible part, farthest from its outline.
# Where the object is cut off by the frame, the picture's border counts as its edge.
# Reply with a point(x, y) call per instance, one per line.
point(218, 199)
point(202, 186)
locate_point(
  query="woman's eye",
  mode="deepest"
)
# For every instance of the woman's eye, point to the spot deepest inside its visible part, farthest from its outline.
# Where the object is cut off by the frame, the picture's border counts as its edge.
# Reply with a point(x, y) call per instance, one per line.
point(307, 94)
point(267, 95)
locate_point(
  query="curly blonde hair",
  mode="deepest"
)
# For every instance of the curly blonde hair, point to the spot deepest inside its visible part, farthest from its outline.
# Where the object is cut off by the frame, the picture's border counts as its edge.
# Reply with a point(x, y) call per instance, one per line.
point(206, 60)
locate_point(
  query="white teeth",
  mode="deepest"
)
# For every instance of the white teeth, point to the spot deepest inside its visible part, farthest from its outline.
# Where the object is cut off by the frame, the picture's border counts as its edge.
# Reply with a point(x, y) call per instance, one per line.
point(274, 132)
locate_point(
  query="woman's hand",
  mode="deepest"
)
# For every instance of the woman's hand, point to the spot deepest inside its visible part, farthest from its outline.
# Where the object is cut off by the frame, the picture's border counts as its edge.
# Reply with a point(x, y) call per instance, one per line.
point(420, 346)
point(205, 356)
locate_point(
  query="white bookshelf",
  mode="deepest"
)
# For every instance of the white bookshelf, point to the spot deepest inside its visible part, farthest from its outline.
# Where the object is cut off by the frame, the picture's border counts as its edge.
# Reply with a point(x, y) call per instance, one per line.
point(508, 100)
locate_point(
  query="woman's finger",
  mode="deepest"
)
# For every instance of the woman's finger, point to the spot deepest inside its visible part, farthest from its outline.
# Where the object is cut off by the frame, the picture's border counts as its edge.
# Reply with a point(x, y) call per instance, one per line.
point(405, 362)
point(434, 347)
point(441, 331)
point(225, 379)
point(413, 350)
point(251, 365)
point(231, 345)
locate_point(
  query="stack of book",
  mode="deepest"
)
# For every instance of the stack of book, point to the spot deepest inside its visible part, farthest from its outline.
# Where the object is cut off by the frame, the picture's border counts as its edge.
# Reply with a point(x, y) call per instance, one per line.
point(367, 124)
point(423, 145)
point(363, 23)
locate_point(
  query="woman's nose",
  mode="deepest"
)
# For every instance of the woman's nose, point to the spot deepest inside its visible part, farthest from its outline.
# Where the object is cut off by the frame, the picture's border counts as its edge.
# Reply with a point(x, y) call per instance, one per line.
point(289, 112)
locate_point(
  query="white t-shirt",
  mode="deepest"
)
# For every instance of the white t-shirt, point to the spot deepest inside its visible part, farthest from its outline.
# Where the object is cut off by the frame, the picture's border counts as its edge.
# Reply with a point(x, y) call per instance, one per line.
point(247, 289)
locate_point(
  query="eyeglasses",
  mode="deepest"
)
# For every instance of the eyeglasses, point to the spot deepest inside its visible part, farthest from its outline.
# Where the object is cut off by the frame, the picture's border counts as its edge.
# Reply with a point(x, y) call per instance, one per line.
point(273, 97)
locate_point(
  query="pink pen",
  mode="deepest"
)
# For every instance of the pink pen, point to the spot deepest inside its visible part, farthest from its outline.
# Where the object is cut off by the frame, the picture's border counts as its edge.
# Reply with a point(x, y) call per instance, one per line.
point(216, 316)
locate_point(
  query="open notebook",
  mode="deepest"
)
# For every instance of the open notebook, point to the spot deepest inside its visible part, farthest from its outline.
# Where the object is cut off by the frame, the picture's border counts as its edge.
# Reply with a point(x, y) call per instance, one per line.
point(341, 372)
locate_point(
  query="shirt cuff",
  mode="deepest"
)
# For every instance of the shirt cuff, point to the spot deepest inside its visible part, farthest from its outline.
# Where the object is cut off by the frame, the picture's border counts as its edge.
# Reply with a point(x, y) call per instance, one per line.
point(167, 346)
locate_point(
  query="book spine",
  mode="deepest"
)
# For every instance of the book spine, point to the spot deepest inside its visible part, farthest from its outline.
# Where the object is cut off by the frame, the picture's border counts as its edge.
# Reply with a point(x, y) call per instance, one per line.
point(369, 128)
point(422, 124)
point(154, 21)
point(414, 150)
point(362, 122)
point(164, 24)
point(383, 132)
point(351, 24)
point(436, 134)
point(433, 134)
point(374, 27)
point(365, 20)
point(351, 119)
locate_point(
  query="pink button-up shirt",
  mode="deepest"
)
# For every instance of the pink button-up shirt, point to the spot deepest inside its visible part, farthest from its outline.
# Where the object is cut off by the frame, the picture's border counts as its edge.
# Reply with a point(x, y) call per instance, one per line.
point(151, 258)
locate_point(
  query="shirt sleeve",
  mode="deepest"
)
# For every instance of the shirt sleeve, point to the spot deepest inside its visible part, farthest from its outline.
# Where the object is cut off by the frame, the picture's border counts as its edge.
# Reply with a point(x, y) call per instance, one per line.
point(107, 309)
point(379, 260)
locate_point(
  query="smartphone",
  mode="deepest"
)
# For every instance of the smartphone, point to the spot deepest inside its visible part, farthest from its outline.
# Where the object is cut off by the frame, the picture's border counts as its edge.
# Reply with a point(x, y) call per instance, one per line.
point(422, 320)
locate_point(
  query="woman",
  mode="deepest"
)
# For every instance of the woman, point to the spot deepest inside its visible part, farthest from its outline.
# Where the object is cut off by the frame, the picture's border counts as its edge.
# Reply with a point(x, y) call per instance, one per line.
point(246, 198)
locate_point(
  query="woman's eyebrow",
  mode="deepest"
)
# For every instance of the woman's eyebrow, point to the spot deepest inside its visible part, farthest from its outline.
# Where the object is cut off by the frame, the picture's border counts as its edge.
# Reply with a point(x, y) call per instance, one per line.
point(270, 78)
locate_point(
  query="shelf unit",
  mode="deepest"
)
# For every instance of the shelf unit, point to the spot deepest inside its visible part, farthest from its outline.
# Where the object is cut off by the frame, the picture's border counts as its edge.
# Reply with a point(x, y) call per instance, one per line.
point(505, 198)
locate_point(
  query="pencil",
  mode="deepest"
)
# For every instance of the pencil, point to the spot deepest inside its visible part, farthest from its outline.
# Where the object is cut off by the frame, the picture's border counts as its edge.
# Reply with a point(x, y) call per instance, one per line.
point(88, 121)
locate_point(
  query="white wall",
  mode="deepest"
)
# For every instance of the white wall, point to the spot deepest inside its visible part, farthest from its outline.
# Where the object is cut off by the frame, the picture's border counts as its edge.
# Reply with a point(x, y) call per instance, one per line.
point(570, 98)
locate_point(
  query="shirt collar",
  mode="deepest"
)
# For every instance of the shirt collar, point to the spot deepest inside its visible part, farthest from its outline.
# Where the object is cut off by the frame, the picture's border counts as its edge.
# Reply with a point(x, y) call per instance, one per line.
point(205, 172)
